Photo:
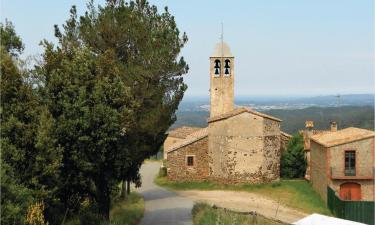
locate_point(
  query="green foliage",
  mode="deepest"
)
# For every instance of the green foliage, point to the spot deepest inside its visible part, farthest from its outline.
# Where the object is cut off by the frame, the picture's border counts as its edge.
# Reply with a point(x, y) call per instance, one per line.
point(293, 161)
point(124, 211)
point(129, 211)
point(345, 116)
point(15, 198)
point(99, 104)
point(10, 41)
point(163, 171)
point(29, 158)
point(111, 86)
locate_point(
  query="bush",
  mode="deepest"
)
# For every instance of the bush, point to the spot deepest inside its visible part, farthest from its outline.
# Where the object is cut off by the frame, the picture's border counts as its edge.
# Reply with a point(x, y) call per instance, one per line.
point(293, 161)
point(89, 218)
point(15, 198)
point(163, 171)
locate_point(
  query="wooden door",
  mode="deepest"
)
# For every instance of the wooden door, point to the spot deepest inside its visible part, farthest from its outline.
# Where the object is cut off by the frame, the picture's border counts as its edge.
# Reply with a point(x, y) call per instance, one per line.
point(350, 191)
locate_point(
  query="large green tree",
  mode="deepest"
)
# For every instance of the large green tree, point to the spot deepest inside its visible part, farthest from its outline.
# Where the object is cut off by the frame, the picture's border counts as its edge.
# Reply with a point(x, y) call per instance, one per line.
point(147, 44)
point(293, 161)
point(111, 88)
point(29, 161)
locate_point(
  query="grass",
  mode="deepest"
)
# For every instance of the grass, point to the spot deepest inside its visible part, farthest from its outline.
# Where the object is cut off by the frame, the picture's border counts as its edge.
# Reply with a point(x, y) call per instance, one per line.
point(129, 211)
point(153, 160)
point(204, 214)
point(123, 212)
point(297, 194)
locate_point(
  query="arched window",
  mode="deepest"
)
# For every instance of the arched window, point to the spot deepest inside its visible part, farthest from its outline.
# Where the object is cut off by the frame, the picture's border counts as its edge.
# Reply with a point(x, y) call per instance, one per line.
point(217, 67)
point(227, 67)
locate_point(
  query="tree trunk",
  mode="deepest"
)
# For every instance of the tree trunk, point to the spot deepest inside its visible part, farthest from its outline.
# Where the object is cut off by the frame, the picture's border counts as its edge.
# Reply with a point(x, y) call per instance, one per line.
point(128, 187)
point(104, 200)
point(123, 189)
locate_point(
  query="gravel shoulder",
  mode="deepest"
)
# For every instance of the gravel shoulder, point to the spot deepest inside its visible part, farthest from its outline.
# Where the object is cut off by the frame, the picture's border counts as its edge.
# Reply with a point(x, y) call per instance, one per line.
point(245, 202)
point(167, 207)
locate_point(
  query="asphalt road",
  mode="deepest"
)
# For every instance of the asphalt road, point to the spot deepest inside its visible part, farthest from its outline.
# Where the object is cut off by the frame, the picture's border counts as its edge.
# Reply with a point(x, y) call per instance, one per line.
point(162, 206)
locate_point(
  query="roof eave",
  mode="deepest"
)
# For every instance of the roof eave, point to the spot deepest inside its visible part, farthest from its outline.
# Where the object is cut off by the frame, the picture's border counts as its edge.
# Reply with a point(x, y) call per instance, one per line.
point(186, 144)
point(342, 143)
point(210, 120)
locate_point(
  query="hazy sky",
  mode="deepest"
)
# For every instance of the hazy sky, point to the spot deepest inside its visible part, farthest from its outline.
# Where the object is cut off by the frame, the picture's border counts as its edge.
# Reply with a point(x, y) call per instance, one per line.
point(289, 47)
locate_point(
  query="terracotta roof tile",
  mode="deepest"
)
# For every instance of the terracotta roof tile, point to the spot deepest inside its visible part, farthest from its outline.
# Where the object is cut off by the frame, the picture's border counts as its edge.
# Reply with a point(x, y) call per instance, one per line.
point(239, 111)
point(350, 134)
point(193, 137)
point(183, 132)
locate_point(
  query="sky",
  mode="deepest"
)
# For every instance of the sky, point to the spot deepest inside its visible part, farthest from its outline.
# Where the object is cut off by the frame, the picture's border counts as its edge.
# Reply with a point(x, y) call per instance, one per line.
point(281, 48)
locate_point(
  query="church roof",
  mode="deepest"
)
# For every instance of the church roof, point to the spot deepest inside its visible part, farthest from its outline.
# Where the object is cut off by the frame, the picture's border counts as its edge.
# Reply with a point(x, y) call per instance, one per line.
point(182, 132)
point(347, 135)
point(238, 111)
point(193, 137)
point(222, 50)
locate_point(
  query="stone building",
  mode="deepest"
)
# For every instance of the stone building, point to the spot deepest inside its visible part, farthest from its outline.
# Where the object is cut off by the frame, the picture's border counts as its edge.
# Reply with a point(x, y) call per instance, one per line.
point(176, 136)
point(344, 161)
point(244, 145)
point(188, 160)
point(239, 144)
point(307, 134)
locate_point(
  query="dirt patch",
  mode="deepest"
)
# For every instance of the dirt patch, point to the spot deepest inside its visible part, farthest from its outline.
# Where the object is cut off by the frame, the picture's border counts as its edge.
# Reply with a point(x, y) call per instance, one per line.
point(245, 202)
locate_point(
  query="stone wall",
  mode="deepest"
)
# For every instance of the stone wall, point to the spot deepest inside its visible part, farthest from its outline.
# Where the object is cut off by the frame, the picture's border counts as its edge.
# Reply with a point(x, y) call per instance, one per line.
point(244, 148)
point(318, 169)
point(169, 141)
point(364, 157)
point(364, 166)
point(177, 168)
point(221, 89)
point(271, 150)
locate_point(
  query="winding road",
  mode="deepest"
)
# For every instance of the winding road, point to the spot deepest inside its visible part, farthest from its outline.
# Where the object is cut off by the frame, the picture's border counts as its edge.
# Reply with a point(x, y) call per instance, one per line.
point(162, 206)
point(166, 207)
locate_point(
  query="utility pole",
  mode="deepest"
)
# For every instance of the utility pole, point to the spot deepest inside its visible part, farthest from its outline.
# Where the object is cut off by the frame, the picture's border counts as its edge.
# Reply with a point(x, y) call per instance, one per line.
point(338, 104)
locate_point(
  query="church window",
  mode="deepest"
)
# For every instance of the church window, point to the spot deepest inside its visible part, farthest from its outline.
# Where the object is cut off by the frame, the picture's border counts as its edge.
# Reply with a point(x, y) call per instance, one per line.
point(227, 67)
point(217, 67)
point(190, 160)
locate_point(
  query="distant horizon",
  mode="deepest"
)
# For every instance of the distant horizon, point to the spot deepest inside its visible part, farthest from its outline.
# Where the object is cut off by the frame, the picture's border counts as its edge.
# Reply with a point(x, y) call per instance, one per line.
point(282, 96)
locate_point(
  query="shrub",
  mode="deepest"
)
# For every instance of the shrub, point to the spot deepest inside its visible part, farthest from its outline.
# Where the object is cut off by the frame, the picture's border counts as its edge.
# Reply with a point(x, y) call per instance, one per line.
point(163, 171)
point(35, 214)
point(88, 218)
point(293, 161)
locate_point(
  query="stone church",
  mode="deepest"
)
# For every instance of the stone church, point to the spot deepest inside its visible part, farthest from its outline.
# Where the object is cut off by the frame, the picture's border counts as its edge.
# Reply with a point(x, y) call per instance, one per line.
point(238, 145)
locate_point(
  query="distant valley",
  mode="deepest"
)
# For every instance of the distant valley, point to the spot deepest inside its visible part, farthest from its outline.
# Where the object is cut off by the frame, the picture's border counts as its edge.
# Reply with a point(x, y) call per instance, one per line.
point(346, 110)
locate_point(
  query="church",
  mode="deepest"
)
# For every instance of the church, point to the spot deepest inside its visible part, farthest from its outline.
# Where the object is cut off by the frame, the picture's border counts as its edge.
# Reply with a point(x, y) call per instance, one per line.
point(239, 145)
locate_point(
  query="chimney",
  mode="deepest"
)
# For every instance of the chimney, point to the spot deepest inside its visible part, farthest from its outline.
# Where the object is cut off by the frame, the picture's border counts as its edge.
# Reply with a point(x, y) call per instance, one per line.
point(309, 124)
point(333, 126)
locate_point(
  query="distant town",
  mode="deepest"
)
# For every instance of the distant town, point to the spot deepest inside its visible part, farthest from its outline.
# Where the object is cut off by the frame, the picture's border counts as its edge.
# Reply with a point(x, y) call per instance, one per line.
point(268, 103)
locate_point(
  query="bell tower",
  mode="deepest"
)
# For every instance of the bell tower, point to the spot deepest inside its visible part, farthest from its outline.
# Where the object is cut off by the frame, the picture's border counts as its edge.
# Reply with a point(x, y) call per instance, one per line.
point(221, 80)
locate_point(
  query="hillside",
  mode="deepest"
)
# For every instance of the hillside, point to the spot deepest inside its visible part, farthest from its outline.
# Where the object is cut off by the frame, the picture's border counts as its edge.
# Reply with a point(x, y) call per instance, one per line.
point(294, 119)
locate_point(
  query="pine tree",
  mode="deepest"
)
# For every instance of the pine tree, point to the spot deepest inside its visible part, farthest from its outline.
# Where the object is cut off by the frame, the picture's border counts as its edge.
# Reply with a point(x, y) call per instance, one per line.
point(112, 86)
point(293, 161)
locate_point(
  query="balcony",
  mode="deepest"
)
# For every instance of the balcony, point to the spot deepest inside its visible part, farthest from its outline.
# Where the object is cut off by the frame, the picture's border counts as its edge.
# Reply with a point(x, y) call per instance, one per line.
point(349, 174)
